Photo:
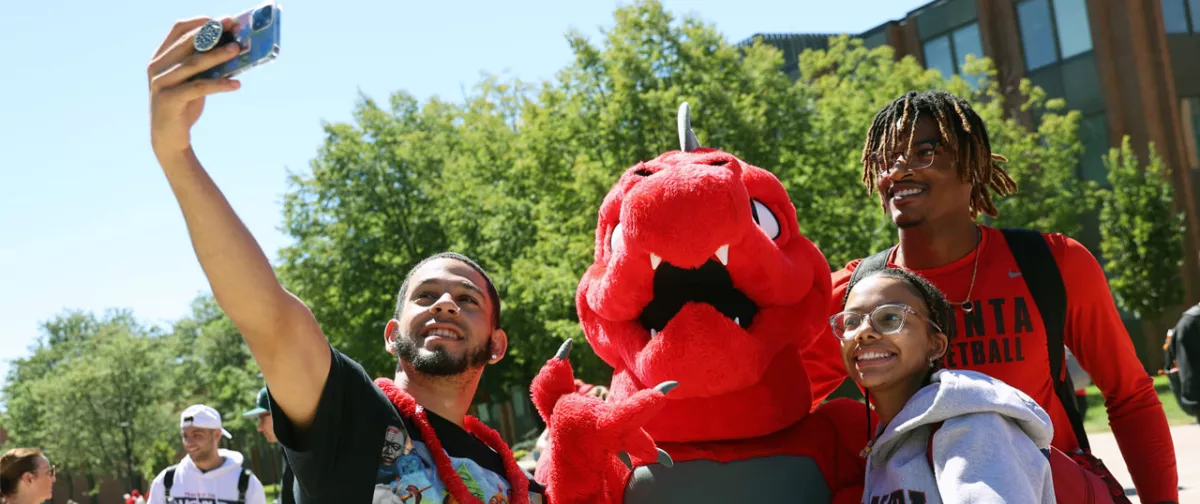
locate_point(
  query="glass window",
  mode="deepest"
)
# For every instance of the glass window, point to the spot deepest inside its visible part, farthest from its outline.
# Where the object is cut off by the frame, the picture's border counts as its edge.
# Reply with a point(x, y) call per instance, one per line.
point(1093, 131)
point(1195, 8)
point(1174, 16)
point(1074, 33)
point(966, 41)
point(937, 56)
point(1037, 36)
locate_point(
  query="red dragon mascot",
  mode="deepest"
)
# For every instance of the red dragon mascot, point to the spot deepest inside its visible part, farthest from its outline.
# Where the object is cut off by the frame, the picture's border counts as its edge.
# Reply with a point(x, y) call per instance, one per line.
point(702, 287)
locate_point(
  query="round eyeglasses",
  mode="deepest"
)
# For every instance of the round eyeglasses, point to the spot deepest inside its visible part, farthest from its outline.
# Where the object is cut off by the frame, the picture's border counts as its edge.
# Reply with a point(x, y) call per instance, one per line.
point(919, 157)
point(886, 319)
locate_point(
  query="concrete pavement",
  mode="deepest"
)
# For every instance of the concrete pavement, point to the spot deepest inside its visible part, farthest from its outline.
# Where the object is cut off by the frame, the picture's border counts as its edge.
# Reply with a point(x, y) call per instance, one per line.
point(1187, 457)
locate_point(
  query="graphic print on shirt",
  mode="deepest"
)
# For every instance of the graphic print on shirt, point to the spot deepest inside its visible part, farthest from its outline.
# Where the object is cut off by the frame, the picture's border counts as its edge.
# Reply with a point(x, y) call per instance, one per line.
point(408, 475)
point(898, 497)
point(991, 333)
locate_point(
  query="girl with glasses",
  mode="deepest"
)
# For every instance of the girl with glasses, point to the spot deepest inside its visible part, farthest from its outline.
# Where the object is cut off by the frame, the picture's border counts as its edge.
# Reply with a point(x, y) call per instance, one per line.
point(942, 435)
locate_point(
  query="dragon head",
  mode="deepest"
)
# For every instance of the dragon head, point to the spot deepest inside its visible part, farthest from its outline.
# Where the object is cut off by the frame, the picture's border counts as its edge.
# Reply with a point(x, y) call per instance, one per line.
point(701, 276)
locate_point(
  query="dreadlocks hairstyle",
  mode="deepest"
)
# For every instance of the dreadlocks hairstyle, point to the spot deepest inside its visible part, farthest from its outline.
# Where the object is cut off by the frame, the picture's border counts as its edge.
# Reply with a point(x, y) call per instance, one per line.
point(962, 131)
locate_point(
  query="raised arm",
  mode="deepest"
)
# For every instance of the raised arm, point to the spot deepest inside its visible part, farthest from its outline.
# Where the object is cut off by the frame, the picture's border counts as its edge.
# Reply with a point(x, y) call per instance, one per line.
point(280, 330)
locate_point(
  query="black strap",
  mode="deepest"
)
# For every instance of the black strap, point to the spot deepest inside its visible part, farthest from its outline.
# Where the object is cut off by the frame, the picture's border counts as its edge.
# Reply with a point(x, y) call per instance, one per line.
point(1045, 282)
point(168, 480)
point(875, 262)
point(243, 484)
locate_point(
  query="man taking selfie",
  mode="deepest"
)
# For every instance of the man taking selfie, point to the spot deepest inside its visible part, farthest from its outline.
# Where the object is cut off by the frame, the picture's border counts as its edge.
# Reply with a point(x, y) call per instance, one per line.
point(348, 439)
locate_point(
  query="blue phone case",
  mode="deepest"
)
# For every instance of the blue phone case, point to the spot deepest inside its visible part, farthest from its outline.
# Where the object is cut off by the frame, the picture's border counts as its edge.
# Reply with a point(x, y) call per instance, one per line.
point(259, 37)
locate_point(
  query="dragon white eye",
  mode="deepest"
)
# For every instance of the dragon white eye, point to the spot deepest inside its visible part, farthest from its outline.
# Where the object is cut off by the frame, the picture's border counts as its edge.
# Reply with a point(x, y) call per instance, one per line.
point(616, 240)
point(764, 218)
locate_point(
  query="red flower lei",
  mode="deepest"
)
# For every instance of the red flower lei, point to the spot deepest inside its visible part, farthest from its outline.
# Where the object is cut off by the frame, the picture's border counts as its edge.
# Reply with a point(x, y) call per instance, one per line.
point(409, 408)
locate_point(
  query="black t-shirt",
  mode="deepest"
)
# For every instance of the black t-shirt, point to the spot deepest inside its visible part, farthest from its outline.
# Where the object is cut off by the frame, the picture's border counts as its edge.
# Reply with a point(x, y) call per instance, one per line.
point(360, 450)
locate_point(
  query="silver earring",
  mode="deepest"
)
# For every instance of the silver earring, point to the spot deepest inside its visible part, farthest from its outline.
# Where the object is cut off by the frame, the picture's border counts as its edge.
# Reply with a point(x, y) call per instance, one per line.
point(931, 362)
point(493, 356)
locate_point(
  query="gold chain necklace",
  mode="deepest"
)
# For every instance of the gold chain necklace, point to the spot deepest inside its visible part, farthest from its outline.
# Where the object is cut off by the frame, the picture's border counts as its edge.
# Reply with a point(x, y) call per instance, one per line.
point(966, 305)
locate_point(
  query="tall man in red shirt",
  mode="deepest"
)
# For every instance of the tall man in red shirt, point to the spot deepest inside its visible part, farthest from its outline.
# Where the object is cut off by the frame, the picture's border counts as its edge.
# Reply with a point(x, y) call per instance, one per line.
point(929, 158)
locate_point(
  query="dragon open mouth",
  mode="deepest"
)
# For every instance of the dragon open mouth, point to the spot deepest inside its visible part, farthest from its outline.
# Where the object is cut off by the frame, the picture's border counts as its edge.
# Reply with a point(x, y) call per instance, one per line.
point(710, 283)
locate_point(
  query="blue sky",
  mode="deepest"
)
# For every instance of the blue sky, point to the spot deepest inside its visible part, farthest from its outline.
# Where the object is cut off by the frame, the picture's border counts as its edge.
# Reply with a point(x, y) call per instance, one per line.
point(87, 220)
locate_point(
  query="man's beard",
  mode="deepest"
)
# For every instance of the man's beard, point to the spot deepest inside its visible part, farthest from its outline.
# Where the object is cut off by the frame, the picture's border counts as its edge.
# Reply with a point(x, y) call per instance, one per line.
point(439, 362)
point(887, 214)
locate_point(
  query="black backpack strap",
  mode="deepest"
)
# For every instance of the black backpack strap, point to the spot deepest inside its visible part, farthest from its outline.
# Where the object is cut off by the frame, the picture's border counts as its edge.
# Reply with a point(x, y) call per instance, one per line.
point(1045, 282)
point(168, 480)
point(873, 263)
point(243, 484)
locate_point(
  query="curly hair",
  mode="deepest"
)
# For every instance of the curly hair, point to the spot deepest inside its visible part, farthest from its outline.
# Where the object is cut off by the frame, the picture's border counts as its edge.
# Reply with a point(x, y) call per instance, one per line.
point(961, 130)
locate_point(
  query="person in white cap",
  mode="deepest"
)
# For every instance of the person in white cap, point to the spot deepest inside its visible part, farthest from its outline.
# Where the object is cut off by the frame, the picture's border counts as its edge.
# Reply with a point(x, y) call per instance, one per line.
point(207, 473)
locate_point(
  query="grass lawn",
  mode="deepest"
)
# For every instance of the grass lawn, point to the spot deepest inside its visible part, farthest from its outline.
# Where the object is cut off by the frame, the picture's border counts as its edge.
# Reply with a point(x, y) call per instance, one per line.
point(272, 491)
point(1096, 419)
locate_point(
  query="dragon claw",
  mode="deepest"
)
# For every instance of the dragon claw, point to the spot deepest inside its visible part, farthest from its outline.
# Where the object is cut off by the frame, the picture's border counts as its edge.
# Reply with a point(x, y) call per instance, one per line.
point(624, 457)
point(666, 386)
point(664, 458)
point(564, 351)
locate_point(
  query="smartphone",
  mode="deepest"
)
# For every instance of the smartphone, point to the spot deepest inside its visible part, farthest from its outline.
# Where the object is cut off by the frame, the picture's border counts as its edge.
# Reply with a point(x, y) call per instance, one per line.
point(258, 35)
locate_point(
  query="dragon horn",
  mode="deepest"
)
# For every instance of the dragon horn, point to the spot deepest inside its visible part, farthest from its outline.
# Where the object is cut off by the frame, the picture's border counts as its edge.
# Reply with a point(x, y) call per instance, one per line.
point(687, 138)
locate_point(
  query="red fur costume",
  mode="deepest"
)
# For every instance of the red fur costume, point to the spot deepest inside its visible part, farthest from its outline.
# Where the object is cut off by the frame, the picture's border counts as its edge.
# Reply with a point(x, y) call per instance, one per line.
point(701, 277)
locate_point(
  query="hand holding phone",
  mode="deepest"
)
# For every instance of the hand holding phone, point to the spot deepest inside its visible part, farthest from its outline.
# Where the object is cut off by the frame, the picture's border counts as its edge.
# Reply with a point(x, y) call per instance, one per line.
point(257, 33)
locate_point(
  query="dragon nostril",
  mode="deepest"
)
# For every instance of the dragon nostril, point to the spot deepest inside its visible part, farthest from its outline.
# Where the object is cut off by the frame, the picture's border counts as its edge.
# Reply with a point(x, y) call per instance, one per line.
point(643, 172)
point(721, 162)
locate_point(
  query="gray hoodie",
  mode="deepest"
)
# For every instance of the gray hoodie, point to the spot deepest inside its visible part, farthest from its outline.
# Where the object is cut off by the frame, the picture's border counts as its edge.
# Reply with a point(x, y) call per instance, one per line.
point(987, 449)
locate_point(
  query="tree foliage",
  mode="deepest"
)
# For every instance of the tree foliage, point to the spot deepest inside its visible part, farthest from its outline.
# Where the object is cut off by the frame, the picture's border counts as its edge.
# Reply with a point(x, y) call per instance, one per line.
point(93, 382)
point(1141, 233)
point(514, 173)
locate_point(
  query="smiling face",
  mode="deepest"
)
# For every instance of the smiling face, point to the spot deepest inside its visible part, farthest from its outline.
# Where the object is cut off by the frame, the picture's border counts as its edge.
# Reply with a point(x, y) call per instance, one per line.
point(445, 325)
point(876, 355)
point(701, 276)
point(200, 444)
point(921, 185)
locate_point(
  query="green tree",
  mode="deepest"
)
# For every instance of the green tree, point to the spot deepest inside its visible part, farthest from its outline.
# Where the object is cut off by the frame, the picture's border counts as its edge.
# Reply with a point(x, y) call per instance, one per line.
point(364, 215)
point(102, 394)
point(513, 176)
point(514, 173)
point(1141, 234)
point(90, 385)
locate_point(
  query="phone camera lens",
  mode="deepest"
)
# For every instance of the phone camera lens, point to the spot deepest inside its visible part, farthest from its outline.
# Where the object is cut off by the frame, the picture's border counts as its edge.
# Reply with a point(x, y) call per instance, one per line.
point(262, 18)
